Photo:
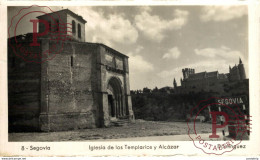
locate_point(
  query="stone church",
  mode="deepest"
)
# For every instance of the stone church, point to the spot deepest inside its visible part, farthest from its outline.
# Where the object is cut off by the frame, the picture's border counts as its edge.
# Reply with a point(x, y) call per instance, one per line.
point(86, 85)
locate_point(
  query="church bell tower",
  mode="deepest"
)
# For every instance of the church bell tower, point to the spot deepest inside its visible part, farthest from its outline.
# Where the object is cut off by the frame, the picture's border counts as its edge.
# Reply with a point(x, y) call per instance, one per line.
point(63, 24)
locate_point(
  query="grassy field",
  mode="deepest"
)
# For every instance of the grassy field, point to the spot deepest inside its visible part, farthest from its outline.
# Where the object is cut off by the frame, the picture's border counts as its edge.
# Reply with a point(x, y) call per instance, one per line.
point(140, 128)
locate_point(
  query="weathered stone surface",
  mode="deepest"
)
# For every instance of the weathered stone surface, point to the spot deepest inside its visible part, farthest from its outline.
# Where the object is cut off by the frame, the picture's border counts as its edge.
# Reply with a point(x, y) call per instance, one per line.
point(71, 90)
point(68, 121)
point(23, 93)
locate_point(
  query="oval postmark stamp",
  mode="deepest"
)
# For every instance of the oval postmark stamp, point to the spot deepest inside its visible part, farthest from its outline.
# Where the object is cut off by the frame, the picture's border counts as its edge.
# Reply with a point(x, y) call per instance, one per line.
point(47, 33)
point(229, 124)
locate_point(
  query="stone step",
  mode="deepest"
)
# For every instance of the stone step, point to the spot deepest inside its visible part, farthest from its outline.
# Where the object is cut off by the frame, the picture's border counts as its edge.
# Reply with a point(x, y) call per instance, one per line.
point(120, 122)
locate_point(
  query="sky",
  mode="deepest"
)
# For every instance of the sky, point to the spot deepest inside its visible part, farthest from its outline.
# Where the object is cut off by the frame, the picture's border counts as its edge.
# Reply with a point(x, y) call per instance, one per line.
point(162, 40)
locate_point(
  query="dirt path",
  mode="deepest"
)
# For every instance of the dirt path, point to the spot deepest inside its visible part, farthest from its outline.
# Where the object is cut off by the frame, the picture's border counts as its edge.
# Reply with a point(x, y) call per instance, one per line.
point(184, 137)
point(138, 129)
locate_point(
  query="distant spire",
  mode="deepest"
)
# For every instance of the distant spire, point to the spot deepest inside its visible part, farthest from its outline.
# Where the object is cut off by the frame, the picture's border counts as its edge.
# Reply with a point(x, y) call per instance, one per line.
point(174, 83)
point(229, 68)
point(240, 61)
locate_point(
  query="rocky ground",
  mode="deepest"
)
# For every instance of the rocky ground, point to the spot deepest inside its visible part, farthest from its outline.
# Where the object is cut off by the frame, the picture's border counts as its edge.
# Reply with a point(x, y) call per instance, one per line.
point(140, 128)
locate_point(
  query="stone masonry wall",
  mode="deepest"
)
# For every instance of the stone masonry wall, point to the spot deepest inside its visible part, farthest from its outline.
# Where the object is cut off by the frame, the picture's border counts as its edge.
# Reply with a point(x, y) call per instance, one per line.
point(71, 89)
point(23, 92)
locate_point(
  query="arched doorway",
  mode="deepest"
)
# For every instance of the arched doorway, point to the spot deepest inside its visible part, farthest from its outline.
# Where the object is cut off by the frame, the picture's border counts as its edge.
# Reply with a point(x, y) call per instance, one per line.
point(115, 98)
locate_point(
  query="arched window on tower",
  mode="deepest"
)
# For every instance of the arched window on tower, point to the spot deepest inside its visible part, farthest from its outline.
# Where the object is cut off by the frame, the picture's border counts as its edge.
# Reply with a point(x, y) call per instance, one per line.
point(79, 31)
point(73, 27)
point(50, 26)
point(57, 25)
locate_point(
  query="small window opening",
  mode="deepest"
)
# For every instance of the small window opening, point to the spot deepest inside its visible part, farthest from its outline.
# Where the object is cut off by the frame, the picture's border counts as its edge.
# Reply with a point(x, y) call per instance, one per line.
point(49, 25)
point(71, 61)
point(57, 25)
point(73, 27)
point(79, 31)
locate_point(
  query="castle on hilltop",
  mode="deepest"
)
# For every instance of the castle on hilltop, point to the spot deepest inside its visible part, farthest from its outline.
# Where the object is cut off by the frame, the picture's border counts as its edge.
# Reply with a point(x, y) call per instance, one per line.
point(208, 81)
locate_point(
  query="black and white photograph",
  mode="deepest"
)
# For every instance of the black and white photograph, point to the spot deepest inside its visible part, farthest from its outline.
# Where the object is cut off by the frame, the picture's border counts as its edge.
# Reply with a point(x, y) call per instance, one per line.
point(110, 78)
point(128, 73)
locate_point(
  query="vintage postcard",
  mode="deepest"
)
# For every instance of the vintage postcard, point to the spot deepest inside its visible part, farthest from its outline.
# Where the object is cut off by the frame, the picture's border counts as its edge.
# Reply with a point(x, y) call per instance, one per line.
point(95, 79)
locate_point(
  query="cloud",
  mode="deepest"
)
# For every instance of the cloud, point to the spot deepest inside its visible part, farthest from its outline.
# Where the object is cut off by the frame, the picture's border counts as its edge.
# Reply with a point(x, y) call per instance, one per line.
point(138, 64)
point(212, 59)
point(153, 26)
point(222, 52)
point(138, 49)
point(198, 66)
point(205, 65)
point(173, 53)
point(222, 13)
point(109, 29)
